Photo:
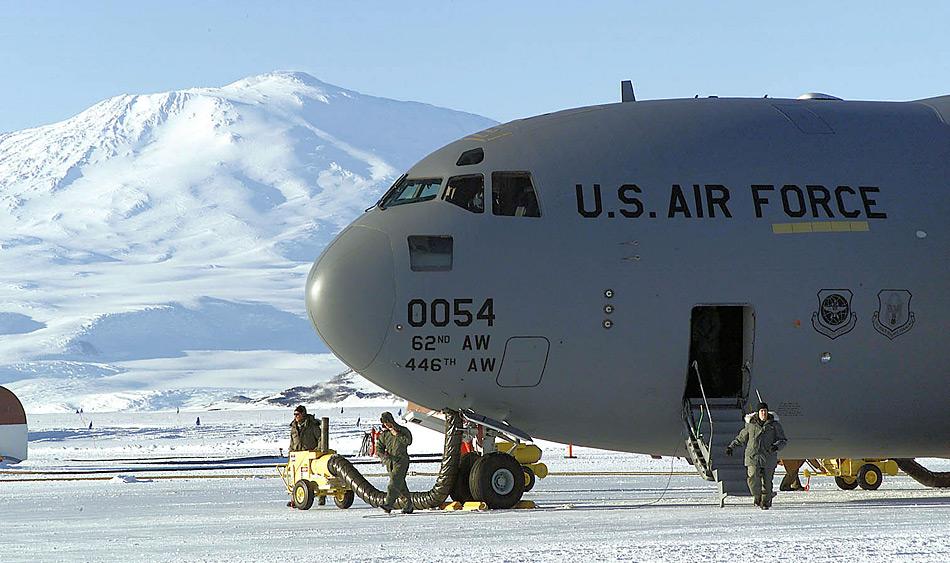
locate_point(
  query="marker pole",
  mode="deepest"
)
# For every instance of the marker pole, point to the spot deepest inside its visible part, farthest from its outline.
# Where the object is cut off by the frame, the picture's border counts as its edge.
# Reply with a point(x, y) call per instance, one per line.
point(570, 452)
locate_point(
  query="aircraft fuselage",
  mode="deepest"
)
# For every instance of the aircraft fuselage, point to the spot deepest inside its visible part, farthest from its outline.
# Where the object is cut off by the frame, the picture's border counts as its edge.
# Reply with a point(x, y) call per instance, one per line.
point(822, 224)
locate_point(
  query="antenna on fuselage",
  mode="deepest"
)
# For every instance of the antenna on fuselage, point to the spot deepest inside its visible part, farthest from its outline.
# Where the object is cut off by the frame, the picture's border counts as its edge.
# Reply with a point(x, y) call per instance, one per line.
point(626, 91)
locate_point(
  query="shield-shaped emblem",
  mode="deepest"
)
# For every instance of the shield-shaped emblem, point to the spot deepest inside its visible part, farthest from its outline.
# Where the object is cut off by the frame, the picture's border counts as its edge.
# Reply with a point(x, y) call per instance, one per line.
point(893, 316)
point(834, 316)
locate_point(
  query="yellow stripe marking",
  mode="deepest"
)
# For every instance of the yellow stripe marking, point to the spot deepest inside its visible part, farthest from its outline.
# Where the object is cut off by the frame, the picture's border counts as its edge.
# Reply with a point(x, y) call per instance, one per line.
point(820, 227)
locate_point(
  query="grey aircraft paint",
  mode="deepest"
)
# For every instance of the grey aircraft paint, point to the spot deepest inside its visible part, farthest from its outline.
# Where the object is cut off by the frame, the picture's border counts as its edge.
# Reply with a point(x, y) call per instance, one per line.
point(826, 220)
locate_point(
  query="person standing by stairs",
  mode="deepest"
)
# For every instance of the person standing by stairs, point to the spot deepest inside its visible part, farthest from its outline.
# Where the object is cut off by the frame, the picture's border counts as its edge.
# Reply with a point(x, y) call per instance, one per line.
point(763, 437)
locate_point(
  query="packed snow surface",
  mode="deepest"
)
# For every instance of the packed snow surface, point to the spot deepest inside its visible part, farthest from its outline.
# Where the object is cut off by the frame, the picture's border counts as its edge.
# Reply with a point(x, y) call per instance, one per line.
point(155, 247)
point(141, 505)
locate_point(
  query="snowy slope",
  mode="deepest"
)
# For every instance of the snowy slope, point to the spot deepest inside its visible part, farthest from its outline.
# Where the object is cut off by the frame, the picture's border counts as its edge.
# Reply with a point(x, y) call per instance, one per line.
point(155, 246)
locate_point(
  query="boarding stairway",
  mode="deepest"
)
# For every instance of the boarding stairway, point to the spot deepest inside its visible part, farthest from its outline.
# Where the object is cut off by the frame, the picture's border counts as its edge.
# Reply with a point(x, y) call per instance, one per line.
point(711, 424)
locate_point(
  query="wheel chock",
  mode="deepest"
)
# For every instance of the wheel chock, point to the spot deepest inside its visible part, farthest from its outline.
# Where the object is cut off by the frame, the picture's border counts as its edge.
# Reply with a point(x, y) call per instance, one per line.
point(475, 505)
point(451, 506)
point(525, 504)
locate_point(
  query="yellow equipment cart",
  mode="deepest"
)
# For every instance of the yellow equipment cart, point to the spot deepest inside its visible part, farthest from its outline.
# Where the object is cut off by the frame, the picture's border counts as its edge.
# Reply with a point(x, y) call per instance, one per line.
point(306, 478)
point(851, 473)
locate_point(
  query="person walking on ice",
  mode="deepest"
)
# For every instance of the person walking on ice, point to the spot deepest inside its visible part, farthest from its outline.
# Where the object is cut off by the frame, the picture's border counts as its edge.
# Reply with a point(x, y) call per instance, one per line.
point(392, 448)
point(762, 437)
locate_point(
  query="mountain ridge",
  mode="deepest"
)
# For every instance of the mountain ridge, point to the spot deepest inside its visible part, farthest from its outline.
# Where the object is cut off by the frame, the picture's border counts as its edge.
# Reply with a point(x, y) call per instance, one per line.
point(153, 230)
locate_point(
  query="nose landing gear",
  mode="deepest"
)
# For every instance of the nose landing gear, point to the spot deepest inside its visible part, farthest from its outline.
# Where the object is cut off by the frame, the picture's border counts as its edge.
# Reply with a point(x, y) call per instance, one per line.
point(505, 469)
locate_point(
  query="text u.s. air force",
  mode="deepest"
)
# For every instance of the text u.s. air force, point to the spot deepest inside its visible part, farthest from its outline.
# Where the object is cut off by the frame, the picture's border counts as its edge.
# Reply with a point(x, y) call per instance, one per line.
point(701, 201)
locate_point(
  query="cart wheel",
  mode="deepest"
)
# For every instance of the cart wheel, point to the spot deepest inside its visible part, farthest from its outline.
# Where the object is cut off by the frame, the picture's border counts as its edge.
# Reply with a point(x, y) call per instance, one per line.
point(869, 477)
point(529, 478)
point(460, 490)
point(497, 480)
point(343, 500)
point(844, 484)
point(303, 495)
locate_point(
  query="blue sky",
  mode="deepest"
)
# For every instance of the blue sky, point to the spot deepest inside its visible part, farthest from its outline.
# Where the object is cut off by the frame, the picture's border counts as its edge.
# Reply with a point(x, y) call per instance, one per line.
point(503, 60)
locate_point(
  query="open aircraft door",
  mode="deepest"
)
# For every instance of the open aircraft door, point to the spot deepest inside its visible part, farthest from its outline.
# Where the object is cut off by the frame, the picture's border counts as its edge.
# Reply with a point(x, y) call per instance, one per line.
point(722, 339)
point(13, 431)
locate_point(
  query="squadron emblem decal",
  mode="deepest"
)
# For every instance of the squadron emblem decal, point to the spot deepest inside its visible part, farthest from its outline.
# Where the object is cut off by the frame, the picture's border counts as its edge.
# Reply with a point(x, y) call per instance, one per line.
point(834, 317)
point(893, 316)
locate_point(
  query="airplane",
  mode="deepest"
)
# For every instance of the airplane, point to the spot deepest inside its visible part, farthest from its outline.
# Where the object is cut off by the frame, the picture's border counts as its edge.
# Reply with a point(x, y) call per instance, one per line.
point(13, 428)
point(635, 276)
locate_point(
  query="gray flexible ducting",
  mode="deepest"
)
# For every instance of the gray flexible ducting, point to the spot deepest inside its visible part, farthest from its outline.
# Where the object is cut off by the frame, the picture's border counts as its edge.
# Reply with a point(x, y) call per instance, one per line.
point(342, 469)
point(924, 476)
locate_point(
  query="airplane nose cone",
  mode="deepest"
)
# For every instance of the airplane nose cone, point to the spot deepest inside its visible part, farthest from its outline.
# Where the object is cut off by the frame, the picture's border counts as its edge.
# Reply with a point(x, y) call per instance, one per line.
point(351, 294)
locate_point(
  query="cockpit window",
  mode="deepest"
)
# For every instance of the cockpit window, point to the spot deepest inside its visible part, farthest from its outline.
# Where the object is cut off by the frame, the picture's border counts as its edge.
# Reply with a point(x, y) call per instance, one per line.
point(513, 195)
point(470, 157)
point(411, 190)
point(468, 192)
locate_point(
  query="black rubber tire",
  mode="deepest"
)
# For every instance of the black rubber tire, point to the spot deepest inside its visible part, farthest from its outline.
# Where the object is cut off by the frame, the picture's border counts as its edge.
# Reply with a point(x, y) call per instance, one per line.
point(529, 478)
point(870, 477)
point(345, 500)
point(460, 490)
point(303, 495)
point(844, 485)
point(497, 479)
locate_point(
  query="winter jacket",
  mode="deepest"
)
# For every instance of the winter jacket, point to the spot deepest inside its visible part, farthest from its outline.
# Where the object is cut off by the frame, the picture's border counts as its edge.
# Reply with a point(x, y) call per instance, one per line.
point(305, 435)
point(762, 440)
point(393, 450)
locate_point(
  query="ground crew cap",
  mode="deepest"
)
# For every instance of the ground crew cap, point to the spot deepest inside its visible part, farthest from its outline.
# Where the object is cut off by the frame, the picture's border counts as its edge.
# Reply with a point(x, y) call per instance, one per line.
point(387, 417)
point(762, 405)
point(301, 409)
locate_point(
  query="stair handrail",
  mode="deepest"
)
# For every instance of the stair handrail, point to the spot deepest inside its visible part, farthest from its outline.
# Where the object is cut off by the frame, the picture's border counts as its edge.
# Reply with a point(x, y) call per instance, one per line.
point(699, 378)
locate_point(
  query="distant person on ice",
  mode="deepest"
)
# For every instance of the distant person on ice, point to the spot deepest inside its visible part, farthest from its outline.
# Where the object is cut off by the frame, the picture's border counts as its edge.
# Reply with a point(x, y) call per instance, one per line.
point(392, 448)
point(763, 437)
point(304, 431)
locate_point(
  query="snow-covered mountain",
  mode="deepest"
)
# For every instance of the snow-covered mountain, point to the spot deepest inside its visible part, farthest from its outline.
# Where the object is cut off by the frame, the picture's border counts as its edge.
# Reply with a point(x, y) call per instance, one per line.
point(343, 389)
point(157, 245)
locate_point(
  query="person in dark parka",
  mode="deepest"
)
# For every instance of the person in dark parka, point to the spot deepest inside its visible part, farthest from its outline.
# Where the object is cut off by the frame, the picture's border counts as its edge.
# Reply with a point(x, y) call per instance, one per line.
point(763, 437)
point(304, 431)
point(392, 448)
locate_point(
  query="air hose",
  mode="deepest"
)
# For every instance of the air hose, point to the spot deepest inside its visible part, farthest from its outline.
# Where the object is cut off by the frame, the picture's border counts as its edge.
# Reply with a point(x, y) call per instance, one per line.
point(924, 476)
point(342, 469)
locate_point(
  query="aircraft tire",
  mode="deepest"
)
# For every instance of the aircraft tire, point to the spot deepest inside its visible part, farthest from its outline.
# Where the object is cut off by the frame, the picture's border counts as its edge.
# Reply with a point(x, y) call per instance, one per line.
point(845, 485)
point(529, 478)
point(497, 479)
point(303, 495)
point(461, 492)
point(870, 477)
point(344, 500)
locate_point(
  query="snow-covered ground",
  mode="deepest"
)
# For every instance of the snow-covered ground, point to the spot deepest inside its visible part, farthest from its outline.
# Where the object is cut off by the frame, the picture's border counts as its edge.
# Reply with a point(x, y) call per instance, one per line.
point(239, 514)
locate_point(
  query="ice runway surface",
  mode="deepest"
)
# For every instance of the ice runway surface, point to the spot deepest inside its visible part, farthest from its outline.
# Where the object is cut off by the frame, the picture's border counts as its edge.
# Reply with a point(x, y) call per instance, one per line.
point(636, 518)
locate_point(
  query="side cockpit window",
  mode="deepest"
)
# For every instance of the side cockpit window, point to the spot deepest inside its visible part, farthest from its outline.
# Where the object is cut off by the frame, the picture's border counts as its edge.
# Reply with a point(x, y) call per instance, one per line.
point(468, 192)
point(411, 190)
point(513, 195)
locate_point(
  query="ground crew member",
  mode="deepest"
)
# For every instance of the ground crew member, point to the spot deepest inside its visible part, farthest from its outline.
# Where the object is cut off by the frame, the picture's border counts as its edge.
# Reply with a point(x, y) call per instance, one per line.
point(304, 431)
point(763, 437)
point(392, 448)
point(791, 482)
point(304, 436)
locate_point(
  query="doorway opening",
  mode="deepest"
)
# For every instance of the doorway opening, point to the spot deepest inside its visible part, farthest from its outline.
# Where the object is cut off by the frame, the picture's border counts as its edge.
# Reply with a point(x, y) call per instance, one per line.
point(720, 351)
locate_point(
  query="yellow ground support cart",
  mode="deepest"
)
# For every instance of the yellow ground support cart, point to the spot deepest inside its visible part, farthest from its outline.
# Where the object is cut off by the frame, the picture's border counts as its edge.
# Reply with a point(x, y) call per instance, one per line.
point(306, 478)
point(851, 473)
